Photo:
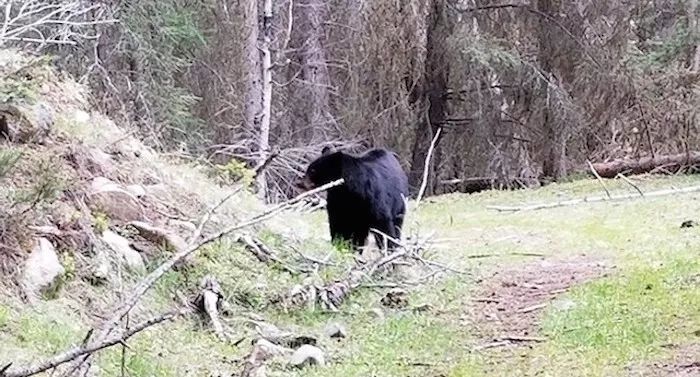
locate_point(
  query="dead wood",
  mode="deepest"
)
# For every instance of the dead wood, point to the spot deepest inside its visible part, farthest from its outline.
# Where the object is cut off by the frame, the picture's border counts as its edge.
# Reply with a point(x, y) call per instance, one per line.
point(330, 296)
point(76, 352)
point(595, 199)
point(671, 163)
point(264, 254)
point(209, 302)
point(144, 285)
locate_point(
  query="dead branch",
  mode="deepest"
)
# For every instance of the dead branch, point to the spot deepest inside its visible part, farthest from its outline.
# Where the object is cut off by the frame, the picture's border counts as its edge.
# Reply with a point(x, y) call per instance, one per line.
point(426, 167)
point(631, 183)
point(209, 302)
point(263, 253)
point(671, 163)
point(41, 23)
point(144, 285)
point(331, 296)
point(594, 199)
point(107, 342)
point(207, 216)
point(597, 176)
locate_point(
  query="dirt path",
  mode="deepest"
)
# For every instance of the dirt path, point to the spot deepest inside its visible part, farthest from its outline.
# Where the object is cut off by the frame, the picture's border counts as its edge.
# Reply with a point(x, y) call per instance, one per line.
point(684, 363)
point(507, 306)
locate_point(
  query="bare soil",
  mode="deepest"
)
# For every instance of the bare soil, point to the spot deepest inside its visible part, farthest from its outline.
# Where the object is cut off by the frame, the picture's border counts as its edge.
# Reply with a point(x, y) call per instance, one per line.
point(508, 305)
point(685, 362)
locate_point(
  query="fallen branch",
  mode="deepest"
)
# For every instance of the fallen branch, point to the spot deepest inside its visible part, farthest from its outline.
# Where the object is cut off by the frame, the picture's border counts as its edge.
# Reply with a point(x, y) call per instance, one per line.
point(532, 308)
point(209, 302)
point(594, 199)
point(144, 285)
point(263, 253)
point(599, 178)
point(330, 296)
point(76, 352)
point(207, 216)
point(631, 184)
point(671, 163)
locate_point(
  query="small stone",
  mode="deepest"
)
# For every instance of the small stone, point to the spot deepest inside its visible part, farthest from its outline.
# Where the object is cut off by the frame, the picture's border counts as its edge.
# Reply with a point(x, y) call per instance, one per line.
point(377, 313)
point(336, 331)
point(127, 254)
point(688, 224)
point(136, 190)
point(395, 298)
point(307, 355)
point(100, 269)
point(41, 269)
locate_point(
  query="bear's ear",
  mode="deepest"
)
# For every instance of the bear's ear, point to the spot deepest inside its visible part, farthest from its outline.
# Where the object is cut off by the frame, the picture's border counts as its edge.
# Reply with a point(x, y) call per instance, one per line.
point(326, 150)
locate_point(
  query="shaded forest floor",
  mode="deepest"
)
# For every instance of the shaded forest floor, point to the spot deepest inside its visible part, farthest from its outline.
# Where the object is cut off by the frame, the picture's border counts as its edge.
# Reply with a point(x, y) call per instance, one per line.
point(592, 290)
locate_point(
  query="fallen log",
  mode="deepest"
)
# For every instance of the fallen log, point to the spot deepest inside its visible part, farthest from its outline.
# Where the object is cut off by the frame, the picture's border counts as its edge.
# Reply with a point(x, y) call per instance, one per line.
point(671, 163)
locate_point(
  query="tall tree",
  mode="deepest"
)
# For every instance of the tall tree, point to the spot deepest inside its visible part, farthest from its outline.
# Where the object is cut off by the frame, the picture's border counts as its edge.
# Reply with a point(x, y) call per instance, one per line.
point(430, 95)
point(259, 82)
point(310, 18)
point(554, 153)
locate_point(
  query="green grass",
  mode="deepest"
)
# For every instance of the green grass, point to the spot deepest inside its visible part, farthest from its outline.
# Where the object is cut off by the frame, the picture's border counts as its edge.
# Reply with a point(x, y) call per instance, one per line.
point(627, 318)
point(600, 328)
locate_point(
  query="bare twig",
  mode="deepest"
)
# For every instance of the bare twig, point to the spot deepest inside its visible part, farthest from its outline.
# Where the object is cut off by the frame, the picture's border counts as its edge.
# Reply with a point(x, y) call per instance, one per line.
point(76, 352)
point(594, 199)
point(599, 178)
point(426, 167)
point(532, 308)
point(207, 216)
point(144, 285)
point(622, 176)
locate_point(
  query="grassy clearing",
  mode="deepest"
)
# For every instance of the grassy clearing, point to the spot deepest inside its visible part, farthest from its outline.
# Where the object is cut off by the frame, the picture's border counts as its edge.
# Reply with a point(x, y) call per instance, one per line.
point(626, 319)
point(651, 299)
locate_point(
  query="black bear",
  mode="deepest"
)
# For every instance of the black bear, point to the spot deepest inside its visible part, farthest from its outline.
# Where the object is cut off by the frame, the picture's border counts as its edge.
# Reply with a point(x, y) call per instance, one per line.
point(372, 196)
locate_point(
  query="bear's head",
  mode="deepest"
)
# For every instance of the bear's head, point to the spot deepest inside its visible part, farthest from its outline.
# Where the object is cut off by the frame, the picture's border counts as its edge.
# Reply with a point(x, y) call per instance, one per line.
point(325, 169)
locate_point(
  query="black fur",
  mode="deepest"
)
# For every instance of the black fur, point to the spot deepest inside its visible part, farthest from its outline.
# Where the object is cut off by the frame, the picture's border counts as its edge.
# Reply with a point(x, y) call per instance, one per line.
point(371, 197)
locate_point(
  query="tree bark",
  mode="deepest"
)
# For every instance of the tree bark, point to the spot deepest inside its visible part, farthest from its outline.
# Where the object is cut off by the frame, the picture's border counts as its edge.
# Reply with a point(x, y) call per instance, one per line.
point(670, 163)
point(254, 79)
point(259, 82)
point(265, 117)
point(554, 148)
point(430, 95)
point(316, 82)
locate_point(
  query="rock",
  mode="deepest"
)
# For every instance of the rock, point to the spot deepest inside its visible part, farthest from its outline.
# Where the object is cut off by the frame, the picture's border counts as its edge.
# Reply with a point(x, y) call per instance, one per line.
point(81, 116)
point(100, 162)
point(26, 124)
point(160, 236)
point(120, 245)
point(307, 355)
point(377, 313)
point(136, 190)
point(270, 348)
point(395, 298)
point(100, 269)
point(688, 224)
point(336, 331)
point(115, 201)
point(41, 269)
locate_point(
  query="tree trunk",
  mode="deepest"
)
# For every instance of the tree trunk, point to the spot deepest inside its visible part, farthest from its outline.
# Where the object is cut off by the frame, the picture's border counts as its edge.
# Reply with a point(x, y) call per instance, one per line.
point(316, 82)
point(668, 163)
point(265, 116)
point(554, 148)
point(259, 83)
point(253, 95)
point(430, 94)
